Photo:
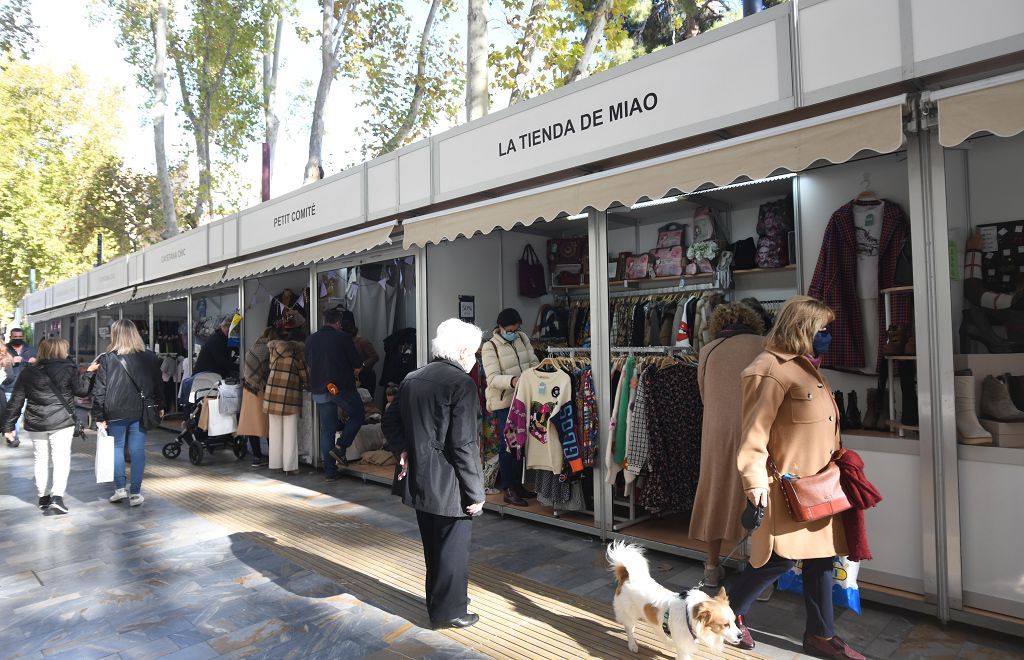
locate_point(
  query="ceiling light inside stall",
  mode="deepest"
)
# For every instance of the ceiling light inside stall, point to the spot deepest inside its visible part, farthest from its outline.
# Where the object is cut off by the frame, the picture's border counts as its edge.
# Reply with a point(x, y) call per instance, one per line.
point(742, 184)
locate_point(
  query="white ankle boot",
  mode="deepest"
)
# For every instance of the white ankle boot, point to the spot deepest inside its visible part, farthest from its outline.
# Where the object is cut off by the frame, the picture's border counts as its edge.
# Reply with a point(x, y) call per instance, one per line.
point(119, 494)
point(968, 430)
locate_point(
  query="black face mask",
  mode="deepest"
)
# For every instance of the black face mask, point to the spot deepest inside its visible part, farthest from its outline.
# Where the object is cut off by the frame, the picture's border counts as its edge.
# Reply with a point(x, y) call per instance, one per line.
point(17, 342)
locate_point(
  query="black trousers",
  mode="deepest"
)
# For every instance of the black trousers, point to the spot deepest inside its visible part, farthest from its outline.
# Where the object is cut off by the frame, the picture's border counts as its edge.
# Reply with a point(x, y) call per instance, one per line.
point(446, 551)
point(817, 576)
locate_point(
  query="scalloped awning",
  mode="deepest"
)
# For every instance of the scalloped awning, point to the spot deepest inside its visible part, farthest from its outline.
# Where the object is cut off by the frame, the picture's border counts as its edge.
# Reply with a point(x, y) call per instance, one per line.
point(995, 106)
point(836, 137)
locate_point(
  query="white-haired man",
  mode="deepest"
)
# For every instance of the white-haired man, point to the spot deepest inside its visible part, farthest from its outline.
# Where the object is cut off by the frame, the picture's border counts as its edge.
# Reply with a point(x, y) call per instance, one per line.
point(433, 428)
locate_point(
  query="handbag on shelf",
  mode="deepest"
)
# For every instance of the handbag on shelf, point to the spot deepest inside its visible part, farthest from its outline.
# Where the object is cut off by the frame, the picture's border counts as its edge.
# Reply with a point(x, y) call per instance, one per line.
point(671, 235)
point(816, 496)
point(531, 274)
point(668, 261)
point(636, 266)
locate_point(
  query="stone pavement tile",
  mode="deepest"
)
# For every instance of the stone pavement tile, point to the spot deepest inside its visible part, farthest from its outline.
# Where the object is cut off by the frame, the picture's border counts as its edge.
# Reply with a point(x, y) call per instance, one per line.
point(889, 639)
point(973, 651)
point(155, 649)
point(200, 651)
point(931, 642)
point(861, 630)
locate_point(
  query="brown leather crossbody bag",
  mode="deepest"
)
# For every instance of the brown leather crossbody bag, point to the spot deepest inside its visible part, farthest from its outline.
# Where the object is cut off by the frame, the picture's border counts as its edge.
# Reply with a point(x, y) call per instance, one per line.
point(816, 496)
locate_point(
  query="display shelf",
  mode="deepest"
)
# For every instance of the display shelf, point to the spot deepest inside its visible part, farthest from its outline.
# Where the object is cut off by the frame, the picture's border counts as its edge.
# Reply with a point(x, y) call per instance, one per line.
point(765, 271)
point(904, 427)
point(900, 357)
point(897, 289)
point(701, 277)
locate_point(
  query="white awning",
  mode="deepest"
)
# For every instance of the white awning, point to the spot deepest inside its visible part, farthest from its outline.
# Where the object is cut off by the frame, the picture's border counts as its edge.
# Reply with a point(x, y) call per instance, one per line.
point(113, 299)
point(995, 105)
point(198, 281)
point(339, 246)
point(835, 137)
point(67, 310)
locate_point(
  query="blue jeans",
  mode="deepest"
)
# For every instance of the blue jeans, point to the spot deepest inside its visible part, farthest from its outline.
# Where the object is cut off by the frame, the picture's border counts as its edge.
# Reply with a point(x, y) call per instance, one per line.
point(130, 430)
point(352, 404)
point(510, 469)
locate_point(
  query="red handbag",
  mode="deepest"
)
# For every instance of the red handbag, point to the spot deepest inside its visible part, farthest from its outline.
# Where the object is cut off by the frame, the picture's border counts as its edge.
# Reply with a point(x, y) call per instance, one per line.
point(531, 274)
point(816, 496)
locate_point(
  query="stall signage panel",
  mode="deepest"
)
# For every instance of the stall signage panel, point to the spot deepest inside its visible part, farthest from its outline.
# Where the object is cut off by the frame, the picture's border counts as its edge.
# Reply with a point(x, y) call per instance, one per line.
point(937, 32)
point(35, 302)
point(318, 210)
point(177, 255)
point(66, 292)
point(641, 107)
point(108, 277)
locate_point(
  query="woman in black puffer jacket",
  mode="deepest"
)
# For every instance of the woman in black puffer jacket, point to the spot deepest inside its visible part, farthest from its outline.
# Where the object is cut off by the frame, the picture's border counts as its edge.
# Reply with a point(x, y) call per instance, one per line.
point(46, 389)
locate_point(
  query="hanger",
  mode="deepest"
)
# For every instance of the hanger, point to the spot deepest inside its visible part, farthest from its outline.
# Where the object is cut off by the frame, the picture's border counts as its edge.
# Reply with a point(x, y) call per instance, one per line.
point(866, 196)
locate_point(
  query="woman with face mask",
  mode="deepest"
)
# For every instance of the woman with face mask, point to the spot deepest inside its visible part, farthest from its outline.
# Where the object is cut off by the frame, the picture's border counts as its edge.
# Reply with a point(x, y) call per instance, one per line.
point(789, 416)
point(506, 356)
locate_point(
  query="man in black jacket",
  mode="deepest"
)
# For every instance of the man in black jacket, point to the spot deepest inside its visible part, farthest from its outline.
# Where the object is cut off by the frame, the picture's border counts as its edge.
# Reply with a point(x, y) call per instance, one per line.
point(434, 430)
point(215, 355)
point(334, 365)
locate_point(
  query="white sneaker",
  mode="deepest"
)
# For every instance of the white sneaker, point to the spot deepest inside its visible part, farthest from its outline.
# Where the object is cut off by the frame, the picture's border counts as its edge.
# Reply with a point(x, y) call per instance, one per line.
point(136, 500)
point(119, 494)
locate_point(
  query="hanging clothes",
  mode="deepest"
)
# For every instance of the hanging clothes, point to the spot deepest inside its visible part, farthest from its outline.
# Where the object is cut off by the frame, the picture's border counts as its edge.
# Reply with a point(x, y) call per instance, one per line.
point(531, 430)
point(675, 430)
point(283, 306)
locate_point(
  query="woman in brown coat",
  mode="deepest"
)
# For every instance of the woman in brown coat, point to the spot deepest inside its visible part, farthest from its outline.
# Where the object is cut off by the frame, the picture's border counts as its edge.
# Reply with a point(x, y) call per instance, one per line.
point(738, 331)
point(252, 421)
point(282, 401)
point(789, 414)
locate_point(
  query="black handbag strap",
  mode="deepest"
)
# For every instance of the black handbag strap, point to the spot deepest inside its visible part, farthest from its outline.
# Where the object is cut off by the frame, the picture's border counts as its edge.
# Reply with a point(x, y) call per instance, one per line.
point(529, 255)
point(142, 395)
point(68, 406)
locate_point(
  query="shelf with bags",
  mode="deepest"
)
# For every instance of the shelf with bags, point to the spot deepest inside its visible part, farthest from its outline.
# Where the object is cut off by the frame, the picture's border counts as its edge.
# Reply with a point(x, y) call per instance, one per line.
point(765, 271)
point(897, 289)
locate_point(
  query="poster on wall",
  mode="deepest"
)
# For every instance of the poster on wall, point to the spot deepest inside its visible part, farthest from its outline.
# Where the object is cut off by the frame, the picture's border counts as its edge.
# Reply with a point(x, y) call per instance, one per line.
point(1002, 256)
point(467, 309)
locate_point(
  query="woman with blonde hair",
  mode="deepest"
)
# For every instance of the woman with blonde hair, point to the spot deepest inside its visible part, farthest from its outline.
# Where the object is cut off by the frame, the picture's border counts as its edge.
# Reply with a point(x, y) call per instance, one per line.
point(47, 389)
point(790, 417)
point(738, 332)
point(125, 390)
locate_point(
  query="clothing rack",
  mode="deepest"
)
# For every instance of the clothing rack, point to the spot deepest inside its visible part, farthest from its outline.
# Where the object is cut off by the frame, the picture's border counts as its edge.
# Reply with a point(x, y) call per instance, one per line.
point(690, 288)
point(568, 351)
point(634, 350)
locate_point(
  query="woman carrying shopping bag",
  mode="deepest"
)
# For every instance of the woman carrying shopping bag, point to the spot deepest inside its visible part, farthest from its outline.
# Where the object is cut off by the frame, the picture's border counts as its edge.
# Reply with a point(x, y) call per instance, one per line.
point(253, 422)
point(46, 389)
point(126, 403)
point(282, 401)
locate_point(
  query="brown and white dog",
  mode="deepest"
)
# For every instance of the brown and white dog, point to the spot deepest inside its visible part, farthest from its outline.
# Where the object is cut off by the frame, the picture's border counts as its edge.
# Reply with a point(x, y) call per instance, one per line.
point(684, 620)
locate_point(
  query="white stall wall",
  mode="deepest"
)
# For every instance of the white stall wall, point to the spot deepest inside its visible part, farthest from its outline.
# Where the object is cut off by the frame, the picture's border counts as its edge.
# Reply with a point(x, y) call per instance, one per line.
point(257, 300)
point(471, 267)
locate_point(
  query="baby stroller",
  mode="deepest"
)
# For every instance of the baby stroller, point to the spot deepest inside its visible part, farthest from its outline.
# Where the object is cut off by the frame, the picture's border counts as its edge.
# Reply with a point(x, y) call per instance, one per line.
point(204, 386)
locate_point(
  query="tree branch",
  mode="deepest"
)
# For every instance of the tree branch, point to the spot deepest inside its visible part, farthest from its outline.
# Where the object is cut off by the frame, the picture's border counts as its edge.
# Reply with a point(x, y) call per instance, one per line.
point(420, 87)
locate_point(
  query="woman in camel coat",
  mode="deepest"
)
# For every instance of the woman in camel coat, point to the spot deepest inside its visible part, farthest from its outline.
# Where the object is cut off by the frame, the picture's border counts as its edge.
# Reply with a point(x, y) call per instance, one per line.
point(790, 415)
point(720, 499)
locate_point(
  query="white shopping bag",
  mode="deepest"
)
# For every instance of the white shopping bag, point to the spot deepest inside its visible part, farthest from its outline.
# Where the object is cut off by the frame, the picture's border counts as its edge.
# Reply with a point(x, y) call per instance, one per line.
point(219, 423)
point(104, 457)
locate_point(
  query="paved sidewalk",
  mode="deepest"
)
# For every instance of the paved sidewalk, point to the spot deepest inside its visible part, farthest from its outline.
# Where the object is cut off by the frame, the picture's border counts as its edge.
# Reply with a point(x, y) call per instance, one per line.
point(179, 577)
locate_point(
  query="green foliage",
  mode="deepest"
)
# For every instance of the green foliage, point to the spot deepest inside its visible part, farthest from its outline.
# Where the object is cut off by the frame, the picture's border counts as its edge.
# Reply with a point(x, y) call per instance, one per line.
point(17, 32)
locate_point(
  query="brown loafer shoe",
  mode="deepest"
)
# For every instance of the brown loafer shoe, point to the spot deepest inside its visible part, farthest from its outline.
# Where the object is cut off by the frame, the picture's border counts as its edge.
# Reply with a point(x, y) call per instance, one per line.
point(746, 642)
point(513, 498)
point(830, 648)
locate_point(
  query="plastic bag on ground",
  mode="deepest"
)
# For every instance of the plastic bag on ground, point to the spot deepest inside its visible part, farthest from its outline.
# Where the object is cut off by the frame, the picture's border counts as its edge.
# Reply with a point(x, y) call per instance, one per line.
point(845, 592)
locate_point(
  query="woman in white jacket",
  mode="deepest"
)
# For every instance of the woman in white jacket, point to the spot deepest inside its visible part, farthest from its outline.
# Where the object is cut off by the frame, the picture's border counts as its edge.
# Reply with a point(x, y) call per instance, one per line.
point(506, 355)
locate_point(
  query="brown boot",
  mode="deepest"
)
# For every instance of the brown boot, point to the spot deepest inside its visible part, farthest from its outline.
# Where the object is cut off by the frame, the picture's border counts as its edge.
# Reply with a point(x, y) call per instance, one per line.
point(911, 347)
point(871, 412)
point(896, 341)
point(513, 498)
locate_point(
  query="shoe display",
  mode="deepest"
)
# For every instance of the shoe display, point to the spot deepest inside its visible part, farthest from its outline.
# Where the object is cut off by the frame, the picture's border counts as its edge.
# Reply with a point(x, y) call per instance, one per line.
point(896, 340)
point(512, 497)
point(841, 405)
point(1016, 386)
point(911, 346)
point(969, 430)
point(746, 642)
point(996, 403)
point(44, 501)
point(908, 391)
point(852, 412)
point(830, 648)
point(713, 576)
point(119, 494)
point(975, 325)
point(57, 504)
point(871, 413)
point(464, 621)
point(136, 500)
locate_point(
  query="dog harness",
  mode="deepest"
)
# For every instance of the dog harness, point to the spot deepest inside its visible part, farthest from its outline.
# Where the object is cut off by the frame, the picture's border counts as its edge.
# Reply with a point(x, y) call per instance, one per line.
point(664, 622)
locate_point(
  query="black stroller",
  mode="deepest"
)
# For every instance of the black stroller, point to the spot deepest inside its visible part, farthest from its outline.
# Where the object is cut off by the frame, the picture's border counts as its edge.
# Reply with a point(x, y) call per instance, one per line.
point(204, 386)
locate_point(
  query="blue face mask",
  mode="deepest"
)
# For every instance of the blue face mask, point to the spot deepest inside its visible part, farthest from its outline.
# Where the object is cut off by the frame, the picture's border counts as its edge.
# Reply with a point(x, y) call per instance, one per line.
point(822, 342)
point(510, 336)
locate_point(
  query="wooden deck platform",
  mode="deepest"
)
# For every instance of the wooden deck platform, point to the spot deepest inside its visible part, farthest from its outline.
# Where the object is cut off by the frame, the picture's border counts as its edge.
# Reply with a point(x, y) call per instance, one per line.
point(520, 617)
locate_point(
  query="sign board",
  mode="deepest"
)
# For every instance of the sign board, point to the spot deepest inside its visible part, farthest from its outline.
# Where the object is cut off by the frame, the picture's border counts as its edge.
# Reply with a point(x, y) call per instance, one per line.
point(732, 74)
point(467, 309)
point(108, 277)
point(66, 292)
point(35, 302)
point(176, 255)
point(312, 211)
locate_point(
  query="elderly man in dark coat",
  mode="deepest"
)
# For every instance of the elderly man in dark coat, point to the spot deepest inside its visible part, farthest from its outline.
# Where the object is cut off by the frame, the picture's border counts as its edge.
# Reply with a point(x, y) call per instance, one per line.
point(433, 428)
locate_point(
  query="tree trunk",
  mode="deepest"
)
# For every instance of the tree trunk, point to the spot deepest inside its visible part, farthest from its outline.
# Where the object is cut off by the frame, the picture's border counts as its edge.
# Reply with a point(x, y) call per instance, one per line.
point(271, 59)
point(328, 67)
point(417, 96)
point(526, 50)
point(170, 214)
point(197, 133)
point(477, 95)
point(602, 12)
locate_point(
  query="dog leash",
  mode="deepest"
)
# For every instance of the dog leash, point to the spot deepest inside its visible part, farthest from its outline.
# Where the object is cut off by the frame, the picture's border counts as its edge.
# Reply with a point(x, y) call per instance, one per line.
point(700, 585)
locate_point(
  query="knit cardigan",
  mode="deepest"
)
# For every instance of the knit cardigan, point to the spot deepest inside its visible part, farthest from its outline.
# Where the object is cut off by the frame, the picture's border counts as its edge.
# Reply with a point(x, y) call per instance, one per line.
point(288, 378)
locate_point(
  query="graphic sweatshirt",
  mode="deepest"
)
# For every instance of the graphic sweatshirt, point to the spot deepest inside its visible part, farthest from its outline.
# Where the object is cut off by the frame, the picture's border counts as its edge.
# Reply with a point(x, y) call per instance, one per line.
point(539, 397)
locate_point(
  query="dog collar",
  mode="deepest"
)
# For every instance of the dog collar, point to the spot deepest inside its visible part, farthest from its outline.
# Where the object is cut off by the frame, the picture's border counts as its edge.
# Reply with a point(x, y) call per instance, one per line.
point(664, 621)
